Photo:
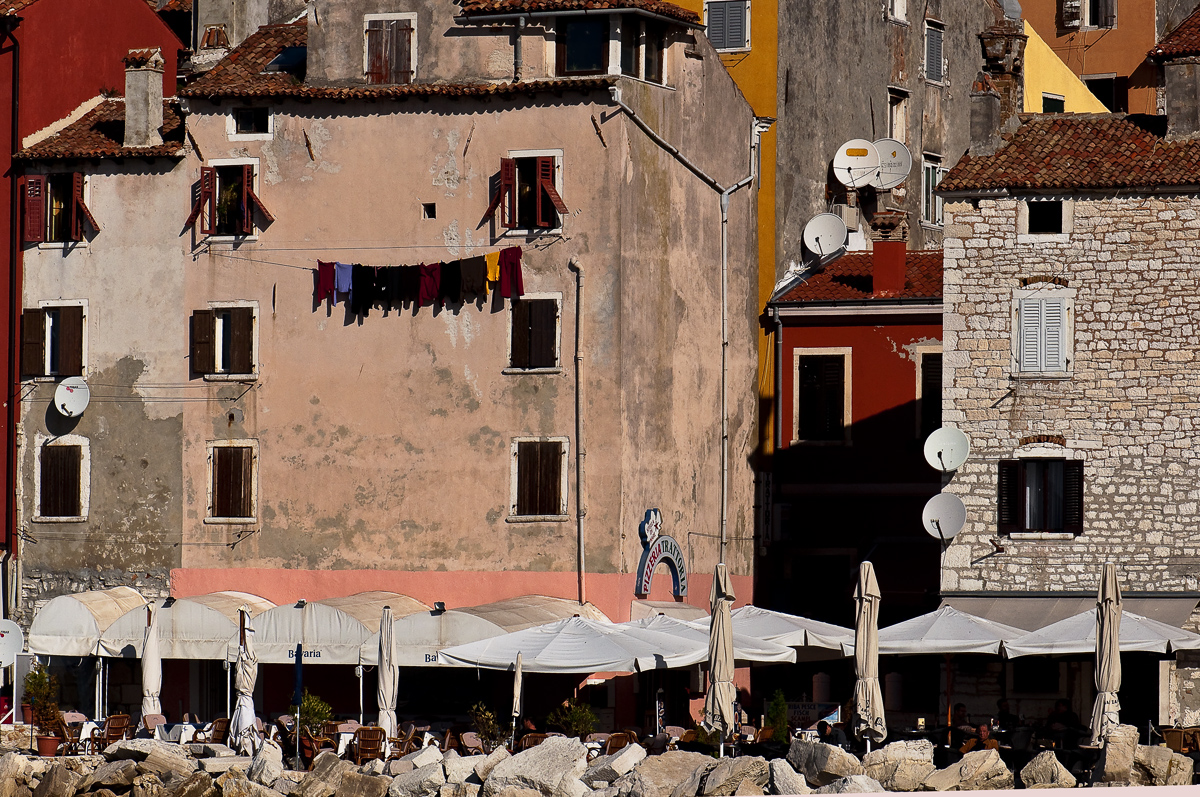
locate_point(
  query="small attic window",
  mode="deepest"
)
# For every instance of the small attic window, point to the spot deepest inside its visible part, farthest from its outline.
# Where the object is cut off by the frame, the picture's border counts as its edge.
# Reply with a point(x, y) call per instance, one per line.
point(293, 60)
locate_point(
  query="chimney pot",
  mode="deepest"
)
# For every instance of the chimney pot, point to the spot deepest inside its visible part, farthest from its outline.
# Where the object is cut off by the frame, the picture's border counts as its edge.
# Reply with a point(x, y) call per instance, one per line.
point(888, 268)
point(143, 98)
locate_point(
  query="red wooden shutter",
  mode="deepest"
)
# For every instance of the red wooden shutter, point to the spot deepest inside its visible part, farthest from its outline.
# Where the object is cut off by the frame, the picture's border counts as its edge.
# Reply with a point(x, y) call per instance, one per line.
point(79, 209)
point(1073, 497)
point(377, 61)
point(33, 343)
point(252, 201)
point(543, 318)
point(204, 353)
point(505, 197)
point(70, 341)
point(547, 191)
point(205, 203)
point(241, 348)
point(519, 343)
point(1008, 497)
point(34, 200)
point(400, 51)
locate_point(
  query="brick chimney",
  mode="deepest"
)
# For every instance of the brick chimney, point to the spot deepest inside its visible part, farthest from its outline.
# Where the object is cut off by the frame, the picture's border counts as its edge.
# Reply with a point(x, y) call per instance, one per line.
point(143, 98)
point(998, 93)
point(889, 234)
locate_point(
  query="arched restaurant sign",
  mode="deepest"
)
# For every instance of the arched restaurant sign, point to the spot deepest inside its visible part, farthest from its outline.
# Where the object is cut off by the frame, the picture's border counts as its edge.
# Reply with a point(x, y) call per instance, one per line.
point(658, 548)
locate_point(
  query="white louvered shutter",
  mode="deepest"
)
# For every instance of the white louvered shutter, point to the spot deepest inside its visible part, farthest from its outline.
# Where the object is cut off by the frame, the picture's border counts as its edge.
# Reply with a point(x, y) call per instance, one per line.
point(933, 54)
point(1054, 324)
point(1029, 312)
point(717, 14)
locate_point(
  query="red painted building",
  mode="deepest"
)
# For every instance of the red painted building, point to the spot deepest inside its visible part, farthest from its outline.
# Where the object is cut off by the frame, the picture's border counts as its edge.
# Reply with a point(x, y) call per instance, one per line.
point(55, 56)
point(858, 344)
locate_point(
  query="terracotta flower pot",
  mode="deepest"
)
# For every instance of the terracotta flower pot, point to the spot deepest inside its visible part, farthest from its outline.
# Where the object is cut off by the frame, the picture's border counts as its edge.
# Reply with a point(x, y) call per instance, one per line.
point(27, 713)
point(47, 746)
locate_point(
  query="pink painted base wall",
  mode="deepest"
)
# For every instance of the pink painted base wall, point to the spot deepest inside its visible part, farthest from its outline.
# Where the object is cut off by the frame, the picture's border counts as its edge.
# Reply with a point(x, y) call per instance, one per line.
point(612, 593)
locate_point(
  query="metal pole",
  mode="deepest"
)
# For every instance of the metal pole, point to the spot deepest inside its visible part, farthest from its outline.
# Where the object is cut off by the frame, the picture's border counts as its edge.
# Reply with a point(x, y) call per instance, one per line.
point(228, 691)
point(580, 453)
point(358, 670)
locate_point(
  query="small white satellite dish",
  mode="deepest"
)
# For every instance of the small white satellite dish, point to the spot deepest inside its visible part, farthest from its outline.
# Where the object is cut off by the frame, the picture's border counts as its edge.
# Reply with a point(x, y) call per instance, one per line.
point(825, 233)
point(12, 642)
point(856, 162)
point(944, 516)
point(895, 163)
point(71, 397)
point(946, 449)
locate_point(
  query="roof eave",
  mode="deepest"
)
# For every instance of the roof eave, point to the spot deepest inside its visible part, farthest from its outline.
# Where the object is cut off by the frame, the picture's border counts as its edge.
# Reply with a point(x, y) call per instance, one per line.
point(861, 307)
point(1096, 191)
point(499, 18)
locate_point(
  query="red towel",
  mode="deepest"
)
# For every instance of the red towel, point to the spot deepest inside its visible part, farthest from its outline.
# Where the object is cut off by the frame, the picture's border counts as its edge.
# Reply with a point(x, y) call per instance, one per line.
point(431, 283)
point(325, 287)
point(512, 286)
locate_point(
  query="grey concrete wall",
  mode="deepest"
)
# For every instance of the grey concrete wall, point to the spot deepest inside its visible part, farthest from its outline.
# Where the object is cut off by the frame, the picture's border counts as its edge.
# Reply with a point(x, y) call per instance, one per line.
point(1181, 93)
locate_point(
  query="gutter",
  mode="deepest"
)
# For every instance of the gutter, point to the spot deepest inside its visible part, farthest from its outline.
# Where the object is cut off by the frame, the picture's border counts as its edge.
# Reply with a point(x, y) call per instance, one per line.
point(1102, 191)
point(778, 379)
point(876, 307)
point(501, 19)
point(12, 405)
point(580, 453)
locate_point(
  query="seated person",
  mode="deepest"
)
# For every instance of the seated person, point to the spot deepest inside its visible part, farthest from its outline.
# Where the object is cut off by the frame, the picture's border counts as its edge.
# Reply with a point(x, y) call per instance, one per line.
point(830, 735)
point(961, 727)
point(1004, 716)
point(1062, 717)
point(983, 741)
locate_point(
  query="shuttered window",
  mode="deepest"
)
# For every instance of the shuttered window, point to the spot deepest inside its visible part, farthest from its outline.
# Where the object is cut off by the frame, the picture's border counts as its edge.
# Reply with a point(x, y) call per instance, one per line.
point(728, 24)
point(52, 341)
point(582, 46)
point(822, 397)
point(232, 482)
point(59, 477)
point(389, 51)
point(226, 202)
point(934, 64)
point(527, 194)
point(1040, 495)
point(931, 393)
point(1069, 13)
point(55, 209)
point(539, 479)
point(1042, 333)
point(534, 342)
point(223, 341)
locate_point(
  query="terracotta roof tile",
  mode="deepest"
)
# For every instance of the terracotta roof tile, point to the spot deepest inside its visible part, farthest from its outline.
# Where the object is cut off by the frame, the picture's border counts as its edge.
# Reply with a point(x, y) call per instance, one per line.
point(848, 279)
point(172, 5)
point(240, 74)
point(15, 6)
point(1181, 42)
point(479, 7)
point(1082, 151)
point(100, 133)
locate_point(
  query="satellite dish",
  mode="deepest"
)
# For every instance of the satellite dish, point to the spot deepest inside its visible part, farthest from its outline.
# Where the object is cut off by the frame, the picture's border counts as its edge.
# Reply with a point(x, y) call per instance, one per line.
point(71, 397)
point(895, 163)
point(12, 642)
point(856, 163)
point(947, 449)
point(944, 516)
point(825, 233)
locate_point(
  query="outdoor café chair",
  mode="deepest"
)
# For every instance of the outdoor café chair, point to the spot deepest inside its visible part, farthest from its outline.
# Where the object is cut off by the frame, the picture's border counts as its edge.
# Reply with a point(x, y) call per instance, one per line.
point(217, 733)
point(615, 742)
point(531, 740)
point(152, 721)
point(311, 746)
point(764, 735)
point(71, 743)
point(403, 744)
point(368, 744)
point(115, 729)
point(595, 742)
point(471, 743)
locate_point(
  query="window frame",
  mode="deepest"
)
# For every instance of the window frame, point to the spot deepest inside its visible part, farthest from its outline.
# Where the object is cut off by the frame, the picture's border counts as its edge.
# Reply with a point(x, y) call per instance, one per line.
point(229, 376)
point(1068, 221)
point(1047, 95)
point(897, 11)
point(231, 125)
point(748, 41)
point(522, 232)
point(933, 24)
point(85, 477)
point(557, 368)
point(560, 47)
point(86, 221)
point(932, 205)
point(1019, 460)
point(47, 332)
point(210, 447)
point(411, 17)
point(515, 482)
point(898, 99)
point(219, 163)
point(921, 351)
point(847, 353)
point(1039, 291)
point(1085, 15)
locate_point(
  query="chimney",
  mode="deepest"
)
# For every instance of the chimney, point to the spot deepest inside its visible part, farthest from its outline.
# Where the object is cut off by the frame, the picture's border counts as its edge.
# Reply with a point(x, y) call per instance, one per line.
point(889, 234)
point(1181, 97)
point(143, 98)
point(985, 117)
point(998, 93)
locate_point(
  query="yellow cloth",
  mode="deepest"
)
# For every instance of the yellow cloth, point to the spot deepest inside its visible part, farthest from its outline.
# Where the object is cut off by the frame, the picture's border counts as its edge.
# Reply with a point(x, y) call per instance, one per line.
point(493, 266)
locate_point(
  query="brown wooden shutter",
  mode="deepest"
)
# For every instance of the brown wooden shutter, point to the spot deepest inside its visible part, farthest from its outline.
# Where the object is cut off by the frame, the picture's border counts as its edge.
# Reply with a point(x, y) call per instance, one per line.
point(931, 393)
point(543, 318)
point(34, 201)
point(822, 397)
point(241, 346)
point(232, 475)
point(547, 194)
point(1008, 497)
point(206, 202)
point(400, 51)
point(70, 341)
point(79, 209)
point(377, 40)
point(33, 343)
point(519, 344)
point(1108, 14)
point(1073, 497)
point(505, 197)
point(549, 479)
point(204, 353)
point(528, 468)
point(1069, 13)
point(61, 466)
point(252, 201)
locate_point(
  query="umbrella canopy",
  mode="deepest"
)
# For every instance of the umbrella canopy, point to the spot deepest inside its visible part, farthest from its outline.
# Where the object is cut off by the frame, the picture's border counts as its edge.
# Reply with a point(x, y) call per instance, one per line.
point(1077, 634)
point(385, 690)
point(241, 724)
point(868, 698)
point(576, 645)
point(1106, 710)
point(789, 629)
point(518, 677)
point(151, 668)
point(718, 704)
point(745, 649)
point(945, 631)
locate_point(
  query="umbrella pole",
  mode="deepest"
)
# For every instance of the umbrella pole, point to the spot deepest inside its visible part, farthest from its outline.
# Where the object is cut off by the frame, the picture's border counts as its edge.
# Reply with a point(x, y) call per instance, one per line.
point(228, 691)
point(949, 706)
point(359, 672)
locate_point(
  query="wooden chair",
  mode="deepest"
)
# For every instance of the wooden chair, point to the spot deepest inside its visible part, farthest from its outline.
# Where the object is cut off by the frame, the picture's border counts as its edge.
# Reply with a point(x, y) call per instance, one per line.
point(531, 740)
point(471, 744)
point(599, 740)
point(615, 742)
point(116, 727)
point(689, 736)
point(217, 734)
point(71, 744)
point(764, 735)
point(311, 746)
point(152, 721)
point(368, 744)
point(405, 743)
point(331, 729)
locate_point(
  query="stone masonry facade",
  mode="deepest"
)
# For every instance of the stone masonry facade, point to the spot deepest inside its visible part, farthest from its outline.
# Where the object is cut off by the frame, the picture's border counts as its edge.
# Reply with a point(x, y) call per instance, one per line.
point(1128, 407)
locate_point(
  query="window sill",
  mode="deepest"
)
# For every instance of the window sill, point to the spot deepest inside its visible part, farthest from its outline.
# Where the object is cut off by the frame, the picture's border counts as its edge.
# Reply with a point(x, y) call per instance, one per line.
point(536, 232)
point(941, 84)
point(1043, 238)
point(231, 377)
point(65, 246)
point(1041, 535)
point(59, 377)
point(1043, 376)
point(229, 239)
point(898, 21)
point(537, 518)
point(519, 371)
point(230, 521)
point(734, 50)
point(66, 519)
point(934, 226)
point(251, 136)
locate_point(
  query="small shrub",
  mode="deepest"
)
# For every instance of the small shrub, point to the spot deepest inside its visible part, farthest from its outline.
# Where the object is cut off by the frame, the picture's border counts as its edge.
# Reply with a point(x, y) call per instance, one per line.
point(777, 715)
point(485, 724)
point(312, 714)
point(575, 718)
point(41, 690)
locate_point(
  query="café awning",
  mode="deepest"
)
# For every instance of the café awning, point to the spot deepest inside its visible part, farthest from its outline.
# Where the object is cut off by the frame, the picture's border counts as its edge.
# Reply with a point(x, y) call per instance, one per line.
point(71, 625)
point(639, 610)
point(327, 631)
point(746, 650)
point(195, 627)
point(946, 630)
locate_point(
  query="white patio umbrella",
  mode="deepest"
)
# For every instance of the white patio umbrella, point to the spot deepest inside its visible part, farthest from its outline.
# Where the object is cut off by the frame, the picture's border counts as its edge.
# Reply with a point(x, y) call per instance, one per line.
point(1077, 634)
point(1106, 710)
point(718, 704)
point(151, 668)
point(385, 689)
point(789, 629)
point(868, 698)
point(746, 649)
point(946, 630)
point(241, 724)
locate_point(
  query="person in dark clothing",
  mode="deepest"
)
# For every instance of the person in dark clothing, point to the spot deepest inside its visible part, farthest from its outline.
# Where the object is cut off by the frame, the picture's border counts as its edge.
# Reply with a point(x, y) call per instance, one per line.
point(1004, 716)
point(829, 734)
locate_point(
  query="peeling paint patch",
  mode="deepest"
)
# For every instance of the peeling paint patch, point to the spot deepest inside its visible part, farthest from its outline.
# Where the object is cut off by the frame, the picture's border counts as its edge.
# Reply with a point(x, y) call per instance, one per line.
point(911, 351)
point(445, 172)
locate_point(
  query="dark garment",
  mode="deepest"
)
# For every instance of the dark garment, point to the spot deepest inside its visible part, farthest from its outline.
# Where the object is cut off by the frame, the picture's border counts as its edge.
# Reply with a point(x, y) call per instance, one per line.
point(431, 277)
point(325, 289)
point(474, 276)
point(409, 278)
point(450, 287)
point(383, 286)
point(362, 290)
point(511, 283)
point(395, 287)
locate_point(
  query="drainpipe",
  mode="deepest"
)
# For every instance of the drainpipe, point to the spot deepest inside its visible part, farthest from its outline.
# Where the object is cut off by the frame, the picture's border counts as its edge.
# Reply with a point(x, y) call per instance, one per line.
point(778, 380)
point(518, 58)
point(580, 453)
point(12, 406)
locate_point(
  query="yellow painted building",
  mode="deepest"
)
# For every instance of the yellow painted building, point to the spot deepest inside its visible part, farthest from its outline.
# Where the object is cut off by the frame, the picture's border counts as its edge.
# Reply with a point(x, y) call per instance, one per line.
point(1050, 83)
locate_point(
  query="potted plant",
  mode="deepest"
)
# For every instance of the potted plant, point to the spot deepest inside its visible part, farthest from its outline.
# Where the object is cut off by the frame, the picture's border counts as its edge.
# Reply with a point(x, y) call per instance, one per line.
point(41, 689)
point(485, 724)
point(311, 716)
point(575, 718)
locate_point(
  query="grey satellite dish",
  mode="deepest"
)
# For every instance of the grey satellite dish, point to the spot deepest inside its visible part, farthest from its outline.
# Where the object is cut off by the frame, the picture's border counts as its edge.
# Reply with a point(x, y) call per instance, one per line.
point(825, 234)
point(944, 516)
point(946, 449)
point(71, 397)
point(856, 162)
point(895, 163)
point(12, 642)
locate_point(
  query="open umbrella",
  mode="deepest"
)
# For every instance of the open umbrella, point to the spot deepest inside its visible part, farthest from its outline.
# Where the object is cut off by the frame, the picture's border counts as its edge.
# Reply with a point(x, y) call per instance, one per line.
point(1106, 710)
point(1077, 634)
point(385, 690)
point(151, 667)
point(746, 649)
point(789, 629)
point(718, 704)
point(868, 698)
point(241, 724)
point(946, 630)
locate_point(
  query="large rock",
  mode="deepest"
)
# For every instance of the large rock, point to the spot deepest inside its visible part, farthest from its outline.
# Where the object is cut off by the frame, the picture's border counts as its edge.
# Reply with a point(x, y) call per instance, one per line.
point(1045, 772)
point(660, 775)
point(1160, 766)
point(484, 768)
point(111, 774)
point(1116, 757)
point(900, 766)
point(241, 787)
point(460, 769)
point(423, 757)
point(325, 777)
point(610, 767)
point(357, 784)
point(13, 768)
point(728, 776)
point(855, 784)
point(553, 768)
point(398, 767)
point(425, 780)
point(138, 749)
point(209, 750)
point(195, 786)
point(978, 770)
point(461, 790)
point(822, 764)
point(785, 780)
point(166, 763)
point(267, 765)
point(217, 766)
point(58, 782)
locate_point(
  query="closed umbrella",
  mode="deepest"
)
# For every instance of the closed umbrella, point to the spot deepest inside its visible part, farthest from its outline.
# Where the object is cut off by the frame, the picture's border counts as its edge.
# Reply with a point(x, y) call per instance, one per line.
point(151, 668)
point(385, 690)
point(718, 705)
point(868, 698)
point(241, 724)
point(1106, 710)
point(518, 676)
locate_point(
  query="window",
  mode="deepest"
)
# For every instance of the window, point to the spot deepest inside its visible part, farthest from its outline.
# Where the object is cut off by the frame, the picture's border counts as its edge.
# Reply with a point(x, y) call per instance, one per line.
point(528, 193)
point(534, 336)
point(250, 124)
point(582, 45)
point(226, 200)
point(233, 487)
point(821, 404)
point(931, 207)
point(1111, 90)
point(898, 10)
point(62, 476)
point(1043, 332)
point(643, 48)
point(52, 340)
point(1040, 496)
point(1053, 103)
point(630, 32)
point(655, 35)
point(55, 208)
point(1045, 218)
point(929, 395)
point(539, 483)
point(223, 341)
point(389, 48)
point(728, 24)
point(1098, 13)
point(935, 66)
point(898, 114)
point(214, 37)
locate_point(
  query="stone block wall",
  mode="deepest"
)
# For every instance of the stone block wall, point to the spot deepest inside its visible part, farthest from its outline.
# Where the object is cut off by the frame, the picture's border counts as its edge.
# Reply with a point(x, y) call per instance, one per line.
point(1130, 409)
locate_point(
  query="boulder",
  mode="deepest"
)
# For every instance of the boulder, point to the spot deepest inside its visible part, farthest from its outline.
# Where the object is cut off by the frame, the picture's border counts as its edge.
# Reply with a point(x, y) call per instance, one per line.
point(1045, 772)
point(517, 791)
point(216, 766)
point(611, 767)
point(325, 777)
point(356, 784)
point(147, 785)
point(978, 770)
point(1116, 756)
point(855, 784)
point(13, 768)
point(398, 767)
point(730, 774)
point(901, 766)
point(376, 766)
point(209, 750)
point(1160, 766)
point(115, 774)
point(138, 749)
point(785, 780)
point(267, 765)
point(195, 786)
point(166, 763)
point(240, 787)
point(425, 780)
point(661, 775)
point(822, 764)
point(748, 788)
point(484, 768)
point(460, 769)
point(459, 790)
point(553, 768)
point(423, 757)
point(288, 781)
point(58, 782)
